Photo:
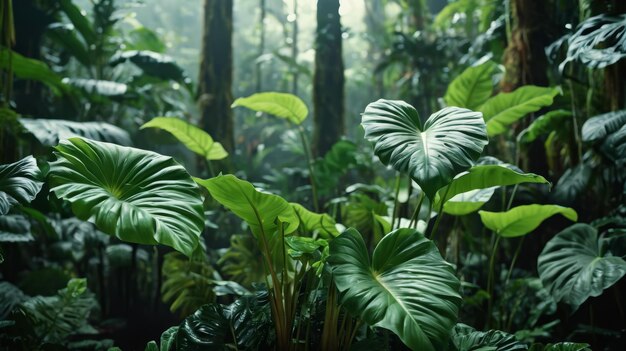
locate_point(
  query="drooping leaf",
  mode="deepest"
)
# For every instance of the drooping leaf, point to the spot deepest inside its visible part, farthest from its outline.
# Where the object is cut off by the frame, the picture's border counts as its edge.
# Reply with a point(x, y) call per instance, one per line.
point(522, 220)
point(152, 63)
point(168, 339)
point(468, 202)
point(135, 195)
point(505, 109)
point(49, 132)
point(483, 177)
point(543, 125)
point(281, 105)
point(472, 87)
point(19, 183)
point(96, 86)
point(448, 143)
point(80, 21)
point(65, 35)
point(466, 338)
point(577, 264)
point(241, 325)
point(27, 68)
point(572, 183)
point(14, 229)
point(194, 138)
point(10, 296)
point(561, 346)
point(599, 127)
point(314, 222)
point(54, 318)
point(406, 287)
point(598, 42)
point(260, 210)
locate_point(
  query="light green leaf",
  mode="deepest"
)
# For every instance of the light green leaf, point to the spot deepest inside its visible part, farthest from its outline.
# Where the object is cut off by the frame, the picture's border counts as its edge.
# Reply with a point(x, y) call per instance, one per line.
point(448, 143)
point(282, 105)
point(472, 87)
point(194, 138)
point(19, 183)
point(483, 177)
point(577, 264)
point(407, 287)
point(505, 109)
point(315, 222)
point(468, 202)
point(522, 220)
point(545, 124)
point(260, 210)
point(135, 195)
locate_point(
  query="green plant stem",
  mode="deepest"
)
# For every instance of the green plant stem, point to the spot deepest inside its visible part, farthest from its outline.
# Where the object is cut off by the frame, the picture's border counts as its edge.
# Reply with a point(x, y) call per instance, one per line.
point(307, 153)
point(209, 168)
point(329, 333)
point(417, 211)
point(394, 214)
point(490, 279)
point(577, 137)
point(513, 261)
point(439, 215)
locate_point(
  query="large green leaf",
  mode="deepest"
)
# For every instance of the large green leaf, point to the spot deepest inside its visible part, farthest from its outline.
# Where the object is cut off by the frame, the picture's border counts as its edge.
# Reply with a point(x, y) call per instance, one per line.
point(79, 20)
point(572, 184)
point(448, 143)
point(545, 124)
point(577, 264)
point(260, 210)
point(472, 88)
point(194, 138)
point(466, 338)
point(282, 105)
point(50, 131)
point(136, 195)
point(152, 63)
point(522, 220)
point(19, 183)
point(311, 222)
point(505, 109)
point(15, 229)
point(599, 127)
point(468, 202)
point(26, 68)
point(65, 35)
point(483, 177)
point(407, 287)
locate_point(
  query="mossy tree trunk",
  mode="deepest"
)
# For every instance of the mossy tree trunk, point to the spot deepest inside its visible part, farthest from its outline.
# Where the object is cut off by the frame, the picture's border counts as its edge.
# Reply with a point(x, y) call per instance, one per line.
point(216, 72)
point(328, 80)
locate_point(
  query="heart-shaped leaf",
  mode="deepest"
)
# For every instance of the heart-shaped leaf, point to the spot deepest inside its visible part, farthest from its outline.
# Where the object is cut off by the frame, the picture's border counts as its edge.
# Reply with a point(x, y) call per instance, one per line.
point(135, 195)
point(407, 287)
point(448, 143)
point(281, 105)
point(194, 138)
point(472, 87)
point(505, 109)
point(522, 220)
point(577, 264)
point(260, 210)
point(19, 183)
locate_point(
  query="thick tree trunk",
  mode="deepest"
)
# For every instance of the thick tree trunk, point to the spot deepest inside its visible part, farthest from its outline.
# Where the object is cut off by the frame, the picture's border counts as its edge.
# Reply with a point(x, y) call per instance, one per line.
point(216, 67)
point(328, 81)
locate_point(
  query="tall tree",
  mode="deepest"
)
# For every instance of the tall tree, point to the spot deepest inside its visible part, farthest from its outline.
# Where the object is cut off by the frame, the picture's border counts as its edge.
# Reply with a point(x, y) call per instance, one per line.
point(216, 72)
point(328, 80)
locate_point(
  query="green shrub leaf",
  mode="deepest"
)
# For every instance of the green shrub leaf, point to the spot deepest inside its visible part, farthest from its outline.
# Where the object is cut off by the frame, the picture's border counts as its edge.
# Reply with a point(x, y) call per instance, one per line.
point(19, 183)
point(522, 220)
point(472, 87)
point(281, 105)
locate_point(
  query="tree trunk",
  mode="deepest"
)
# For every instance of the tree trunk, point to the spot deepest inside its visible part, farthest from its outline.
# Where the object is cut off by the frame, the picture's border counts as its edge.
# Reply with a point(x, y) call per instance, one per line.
point(328, 80)
point(216, 72)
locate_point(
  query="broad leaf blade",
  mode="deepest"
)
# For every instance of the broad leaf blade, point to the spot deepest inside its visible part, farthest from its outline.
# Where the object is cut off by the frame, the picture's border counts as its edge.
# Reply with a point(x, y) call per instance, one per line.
point(576, 265)
point(19, 183)
point(466, 338)
point(468, 202)
point(135, 195)
point(49, 132)
point(505, 109)
point(522, 220)
point(260, 210)
point(545, 124)
point(282, 105)
point(406, 288)
point(472, 88)
point(194, 138)
point(315, 222)
point(599, 127)
point(27, 68)
point(450, 141)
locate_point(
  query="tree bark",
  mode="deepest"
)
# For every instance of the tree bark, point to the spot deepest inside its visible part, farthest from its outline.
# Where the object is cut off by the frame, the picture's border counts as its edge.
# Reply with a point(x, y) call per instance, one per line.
point(216, 72)
point(328, 80)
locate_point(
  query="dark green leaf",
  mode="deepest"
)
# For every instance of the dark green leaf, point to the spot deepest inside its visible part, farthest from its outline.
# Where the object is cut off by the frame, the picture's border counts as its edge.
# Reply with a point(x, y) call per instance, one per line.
point(26, 68)
point(49, 132)
point(152, 63)
point(545, 124)
point(10, 296)
point(135, 195)
point(407, 287)
point(14, 229)
point(19, 183)
point(79, 21)
point(599, 127)
point(466, 338)
point(448, 143)
point(472, 87)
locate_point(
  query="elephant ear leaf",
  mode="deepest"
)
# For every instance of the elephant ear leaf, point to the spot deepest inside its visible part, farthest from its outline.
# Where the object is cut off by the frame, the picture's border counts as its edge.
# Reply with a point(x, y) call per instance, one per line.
point(281, 105)
point(19, 183)
point(448, 143)
point(407, 287)
point(522, 220)
point(135, 195)
point(577, 264)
